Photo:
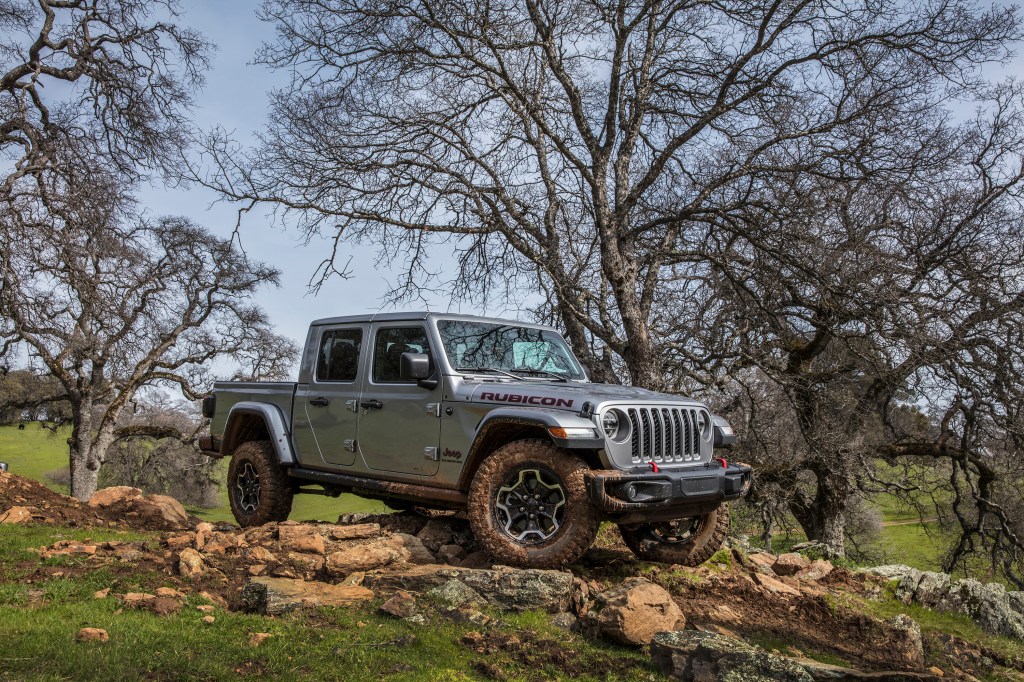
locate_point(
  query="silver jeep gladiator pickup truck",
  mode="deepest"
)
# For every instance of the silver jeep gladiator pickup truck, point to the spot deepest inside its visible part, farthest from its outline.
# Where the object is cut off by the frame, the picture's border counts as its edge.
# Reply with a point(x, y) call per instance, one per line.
point(490, 416)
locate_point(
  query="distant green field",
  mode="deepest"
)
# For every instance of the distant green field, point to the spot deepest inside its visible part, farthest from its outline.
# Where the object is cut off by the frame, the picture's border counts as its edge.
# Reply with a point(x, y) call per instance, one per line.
point(35, 452)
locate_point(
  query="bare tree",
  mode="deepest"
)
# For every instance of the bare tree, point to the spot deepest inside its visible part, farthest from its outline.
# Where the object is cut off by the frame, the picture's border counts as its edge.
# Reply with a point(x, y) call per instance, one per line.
point(110, 303)
point(706, 192)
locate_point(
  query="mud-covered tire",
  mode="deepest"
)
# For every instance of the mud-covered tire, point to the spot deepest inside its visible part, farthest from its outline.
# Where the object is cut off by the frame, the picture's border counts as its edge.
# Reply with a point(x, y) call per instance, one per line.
point(578, 520)
point(271, 497)
point(647, 543)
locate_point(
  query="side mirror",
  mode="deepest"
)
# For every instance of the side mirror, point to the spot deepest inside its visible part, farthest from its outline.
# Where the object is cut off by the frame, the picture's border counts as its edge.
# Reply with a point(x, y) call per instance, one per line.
point(414, 366)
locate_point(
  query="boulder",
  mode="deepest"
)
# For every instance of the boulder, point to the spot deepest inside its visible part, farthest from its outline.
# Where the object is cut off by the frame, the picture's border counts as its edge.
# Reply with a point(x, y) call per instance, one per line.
point(190, 562)
point(437, 532)
point(708, 657)
point(273, 596)
point(892, 571)
point(634, 611)
point(455, 593)
point(906, 645)
point(168, 509)
point(412, 548)
point(16, 515)
point(362, 557)
point(301, 539)
point(790, 564)
point(400, 605)
point(110, 496)
point(92, 635)
point(818, 569)
point(762, 561)
point(774, 585)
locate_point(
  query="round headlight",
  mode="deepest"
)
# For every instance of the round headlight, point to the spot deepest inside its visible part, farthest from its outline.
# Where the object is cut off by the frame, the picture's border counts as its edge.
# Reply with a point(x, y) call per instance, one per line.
point(704, 425)
point(610, 423)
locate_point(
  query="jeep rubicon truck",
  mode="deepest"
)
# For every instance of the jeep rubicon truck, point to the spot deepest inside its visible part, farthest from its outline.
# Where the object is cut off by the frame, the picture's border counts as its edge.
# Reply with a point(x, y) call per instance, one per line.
point(489, 416)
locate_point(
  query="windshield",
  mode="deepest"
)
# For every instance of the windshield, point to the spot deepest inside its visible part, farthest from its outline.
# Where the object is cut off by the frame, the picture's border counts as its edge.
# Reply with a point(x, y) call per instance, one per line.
point(503, 348)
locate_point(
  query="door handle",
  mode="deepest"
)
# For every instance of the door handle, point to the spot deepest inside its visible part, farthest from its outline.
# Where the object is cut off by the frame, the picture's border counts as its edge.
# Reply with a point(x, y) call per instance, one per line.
point(375, 404)
point(319, 402)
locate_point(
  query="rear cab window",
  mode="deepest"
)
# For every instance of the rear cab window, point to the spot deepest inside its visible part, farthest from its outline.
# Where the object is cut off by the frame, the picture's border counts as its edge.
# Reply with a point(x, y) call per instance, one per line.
point(338, 355)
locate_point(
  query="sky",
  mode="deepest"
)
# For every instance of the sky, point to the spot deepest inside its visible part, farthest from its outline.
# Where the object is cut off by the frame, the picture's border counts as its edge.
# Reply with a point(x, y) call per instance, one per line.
point(235, 98)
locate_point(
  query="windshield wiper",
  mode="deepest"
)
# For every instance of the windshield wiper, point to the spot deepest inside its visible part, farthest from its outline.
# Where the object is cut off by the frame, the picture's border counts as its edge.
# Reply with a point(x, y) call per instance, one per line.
point(495, 370)
point(543, 372)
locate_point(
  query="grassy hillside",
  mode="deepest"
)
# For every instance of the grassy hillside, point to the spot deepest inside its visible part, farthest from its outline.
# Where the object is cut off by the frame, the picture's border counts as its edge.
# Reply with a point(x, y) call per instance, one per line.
point(35, 452)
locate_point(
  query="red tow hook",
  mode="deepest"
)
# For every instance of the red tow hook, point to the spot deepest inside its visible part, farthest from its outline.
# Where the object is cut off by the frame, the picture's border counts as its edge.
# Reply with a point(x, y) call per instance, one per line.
point(654, 467)
point(725, 465)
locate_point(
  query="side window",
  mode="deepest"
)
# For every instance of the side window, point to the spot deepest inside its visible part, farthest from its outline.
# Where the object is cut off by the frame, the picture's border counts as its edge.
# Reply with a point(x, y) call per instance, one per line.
point(387, 353)
point(338, 359)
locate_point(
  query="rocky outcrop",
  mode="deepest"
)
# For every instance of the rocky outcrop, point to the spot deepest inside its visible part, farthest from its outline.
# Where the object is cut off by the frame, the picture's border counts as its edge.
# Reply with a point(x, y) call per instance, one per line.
point(709, 657)
point(712, 657)
point(633, 612)
point(989, 605)
point(506, 588)
point(273, 596)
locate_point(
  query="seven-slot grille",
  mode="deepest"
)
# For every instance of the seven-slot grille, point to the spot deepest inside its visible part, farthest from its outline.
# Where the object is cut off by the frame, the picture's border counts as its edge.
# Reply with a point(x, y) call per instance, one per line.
point(664, 434)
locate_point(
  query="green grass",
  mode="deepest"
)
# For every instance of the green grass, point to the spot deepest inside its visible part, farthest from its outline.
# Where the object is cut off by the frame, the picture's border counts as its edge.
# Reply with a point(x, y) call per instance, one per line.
point(35, 452)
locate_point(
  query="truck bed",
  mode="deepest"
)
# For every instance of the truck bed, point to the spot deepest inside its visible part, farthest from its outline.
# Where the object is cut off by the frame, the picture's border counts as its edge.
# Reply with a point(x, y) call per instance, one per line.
point(278, 393)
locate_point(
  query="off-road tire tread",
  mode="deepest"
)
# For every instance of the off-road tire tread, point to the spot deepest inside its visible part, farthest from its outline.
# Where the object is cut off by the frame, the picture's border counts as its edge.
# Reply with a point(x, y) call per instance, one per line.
point(581, 519)
point(275, 487)
point(708, 541)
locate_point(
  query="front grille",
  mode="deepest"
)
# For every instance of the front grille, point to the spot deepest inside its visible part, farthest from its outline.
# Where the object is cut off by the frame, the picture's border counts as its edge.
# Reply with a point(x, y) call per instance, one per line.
point(664, 434)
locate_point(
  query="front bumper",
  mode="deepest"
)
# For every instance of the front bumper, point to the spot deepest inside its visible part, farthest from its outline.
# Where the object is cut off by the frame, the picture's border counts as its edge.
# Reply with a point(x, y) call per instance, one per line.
point(628, 497)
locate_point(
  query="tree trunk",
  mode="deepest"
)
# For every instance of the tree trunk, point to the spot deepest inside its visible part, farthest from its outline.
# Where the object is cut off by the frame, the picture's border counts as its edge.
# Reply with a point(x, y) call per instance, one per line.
point(84, 473)
point(823, 519)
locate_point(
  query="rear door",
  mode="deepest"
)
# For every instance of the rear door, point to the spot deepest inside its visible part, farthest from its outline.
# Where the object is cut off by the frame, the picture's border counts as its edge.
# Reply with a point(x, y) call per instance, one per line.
point(399, 422)
point(330, 401)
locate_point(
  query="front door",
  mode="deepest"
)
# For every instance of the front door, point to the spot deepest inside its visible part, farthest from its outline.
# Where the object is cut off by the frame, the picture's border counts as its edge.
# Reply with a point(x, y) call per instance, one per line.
point(330, 401)
point(399, 422)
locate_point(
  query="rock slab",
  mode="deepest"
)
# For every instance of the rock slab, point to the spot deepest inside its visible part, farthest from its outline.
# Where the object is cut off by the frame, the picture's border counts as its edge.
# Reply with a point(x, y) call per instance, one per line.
point(709, 657)
point(273, 596)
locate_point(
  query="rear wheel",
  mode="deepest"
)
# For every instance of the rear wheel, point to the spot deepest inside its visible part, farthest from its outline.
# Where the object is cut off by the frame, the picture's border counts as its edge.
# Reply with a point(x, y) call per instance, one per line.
point(689, 542)
point(528, 505)
point(258, 487)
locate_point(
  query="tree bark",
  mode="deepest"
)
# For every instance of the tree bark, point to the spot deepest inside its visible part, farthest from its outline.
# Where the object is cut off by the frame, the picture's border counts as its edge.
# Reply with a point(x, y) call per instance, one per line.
point(84, 478)
point(823, 518)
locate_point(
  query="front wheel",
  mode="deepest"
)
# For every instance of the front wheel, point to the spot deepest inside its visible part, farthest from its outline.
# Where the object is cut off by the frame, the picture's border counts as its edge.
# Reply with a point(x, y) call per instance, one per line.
point(528, 505)
point(258, 486)
point(689, 542)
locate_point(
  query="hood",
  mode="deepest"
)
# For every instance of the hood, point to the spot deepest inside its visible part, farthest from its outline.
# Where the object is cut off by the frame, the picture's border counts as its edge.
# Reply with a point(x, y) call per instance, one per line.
point(559, 395)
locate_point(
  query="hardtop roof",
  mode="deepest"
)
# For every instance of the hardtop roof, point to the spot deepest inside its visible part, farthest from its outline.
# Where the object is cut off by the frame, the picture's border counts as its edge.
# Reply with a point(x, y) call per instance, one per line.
point(417, 316)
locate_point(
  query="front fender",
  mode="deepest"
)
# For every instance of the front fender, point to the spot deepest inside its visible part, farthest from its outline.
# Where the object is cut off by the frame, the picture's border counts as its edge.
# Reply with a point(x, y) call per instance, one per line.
point(273, 419)
point(546, 419)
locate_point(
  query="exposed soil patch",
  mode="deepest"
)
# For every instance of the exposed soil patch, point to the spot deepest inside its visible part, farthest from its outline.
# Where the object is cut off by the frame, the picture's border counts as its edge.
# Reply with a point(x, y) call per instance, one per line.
point(46, 506)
